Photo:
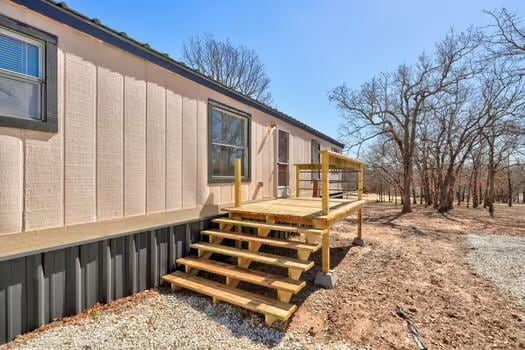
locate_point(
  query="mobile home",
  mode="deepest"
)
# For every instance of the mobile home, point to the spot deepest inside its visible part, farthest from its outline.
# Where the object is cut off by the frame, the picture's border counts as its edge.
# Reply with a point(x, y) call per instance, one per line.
point(113, 157)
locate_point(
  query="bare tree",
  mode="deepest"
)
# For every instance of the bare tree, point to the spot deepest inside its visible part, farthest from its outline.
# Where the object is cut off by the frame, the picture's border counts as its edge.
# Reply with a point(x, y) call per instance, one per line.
point(393, 104)
point(503, 107)
point(237, 67)
point(507, 39)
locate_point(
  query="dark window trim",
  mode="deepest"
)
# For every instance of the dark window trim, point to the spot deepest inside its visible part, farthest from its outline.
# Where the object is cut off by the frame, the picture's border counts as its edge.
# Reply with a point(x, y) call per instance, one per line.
point(312, 141)
point(316, 175)
point(60, 12)
point(49, 121)
point(226, 180)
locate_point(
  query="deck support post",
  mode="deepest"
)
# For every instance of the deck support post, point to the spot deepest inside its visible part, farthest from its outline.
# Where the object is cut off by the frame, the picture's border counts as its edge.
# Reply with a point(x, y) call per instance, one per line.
point(326, 278)
point(325, 168)
point(358, 241)
point(297, 181)
point(238, 181)
point(326, 252)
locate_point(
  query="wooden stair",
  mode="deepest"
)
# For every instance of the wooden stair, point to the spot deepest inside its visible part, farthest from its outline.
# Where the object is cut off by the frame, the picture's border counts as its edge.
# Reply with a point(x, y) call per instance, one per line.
point(274, 242)
point(268, 226)
point(274, 309)
point(251, 276)
point(270, 259)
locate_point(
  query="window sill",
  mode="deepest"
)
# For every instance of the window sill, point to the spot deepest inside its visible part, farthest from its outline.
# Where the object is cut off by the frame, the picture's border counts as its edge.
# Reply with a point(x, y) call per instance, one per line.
point(218, 181)
point(30, 124)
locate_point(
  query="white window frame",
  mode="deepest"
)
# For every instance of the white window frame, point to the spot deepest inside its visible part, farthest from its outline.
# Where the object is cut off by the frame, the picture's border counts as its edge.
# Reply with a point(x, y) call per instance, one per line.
point(38, 43)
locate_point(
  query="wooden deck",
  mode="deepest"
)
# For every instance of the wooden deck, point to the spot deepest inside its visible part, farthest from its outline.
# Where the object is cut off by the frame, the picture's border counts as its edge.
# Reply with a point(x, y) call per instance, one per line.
point(310, 218)
point(305, 211)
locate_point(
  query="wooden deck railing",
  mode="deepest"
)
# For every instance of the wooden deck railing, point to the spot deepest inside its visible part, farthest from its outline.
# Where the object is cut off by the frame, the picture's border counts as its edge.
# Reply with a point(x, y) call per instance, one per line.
point(330, 161)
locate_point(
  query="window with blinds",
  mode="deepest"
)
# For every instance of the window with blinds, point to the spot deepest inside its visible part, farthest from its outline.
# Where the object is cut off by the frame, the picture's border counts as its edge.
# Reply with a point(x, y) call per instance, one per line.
point(228, 139)
point(20, 76)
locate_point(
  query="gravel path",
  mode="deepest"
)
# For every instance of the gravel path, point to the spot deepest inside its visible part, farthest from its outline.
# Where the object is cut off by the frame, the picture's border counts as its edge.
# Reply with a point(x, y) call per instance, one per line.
point(501, 259)
point(172, 321)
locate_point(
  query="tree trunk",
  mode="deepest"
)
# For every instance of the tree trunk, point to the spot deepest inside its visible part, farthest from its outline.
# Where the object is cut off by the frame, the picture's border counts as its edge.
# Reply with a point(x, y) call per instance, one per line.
point(446, 196)
point(414, 199)
point(405, 195)
point(469, 189)
point(475, 198)
point(509, 180)
point(481, 198)
point(395, 196)
point(490, 191)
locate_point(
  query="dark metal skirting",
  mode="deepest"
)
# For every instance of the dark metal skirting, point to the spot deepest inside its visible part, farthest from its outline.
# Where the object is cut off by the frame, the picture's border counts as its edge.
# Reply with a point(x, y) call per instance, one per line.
point(40, 288)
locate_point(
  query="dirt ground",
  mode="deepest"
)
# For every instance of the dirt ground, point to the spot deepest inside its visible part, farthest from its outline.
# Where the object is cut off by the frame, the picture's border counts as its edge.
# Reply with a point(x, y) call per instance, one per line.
point(416, 261)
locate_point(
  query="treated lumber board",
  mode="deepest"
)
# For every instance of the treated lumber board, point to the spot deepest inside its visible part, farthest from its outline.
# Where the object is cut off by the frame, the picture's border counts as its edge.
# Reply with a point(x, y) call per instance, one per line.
point(251, 276)
point(341, 213)
point(264, 258)
point(274, 242)
point(235, 296)
point(274, 227)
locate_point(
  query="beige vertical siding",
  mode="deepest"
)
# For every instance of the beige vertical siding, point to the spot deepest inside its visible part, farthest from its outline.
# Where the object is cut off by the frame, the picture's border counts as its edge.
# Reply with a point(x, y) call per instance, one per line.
point(156, 149)
point(11, 173)
point(132, 140)
point(203, 192)
point(80, 140)
point(134, 147)
point(189, 153)
point(173, 151)
point(110, 180)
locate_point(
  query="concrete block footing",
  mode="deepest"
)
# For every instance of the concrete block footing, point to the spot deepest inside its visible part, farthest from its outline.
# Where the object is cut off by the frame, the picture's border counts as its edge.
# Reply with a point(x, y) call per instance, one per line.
point(358, 242)
point(326, 280)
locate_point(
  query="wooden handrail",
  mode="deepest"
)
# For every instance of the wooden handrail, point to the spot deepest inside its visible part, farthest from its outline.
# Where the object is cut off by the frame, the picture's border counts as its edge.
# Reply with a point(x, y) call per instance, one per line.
point(329, 161)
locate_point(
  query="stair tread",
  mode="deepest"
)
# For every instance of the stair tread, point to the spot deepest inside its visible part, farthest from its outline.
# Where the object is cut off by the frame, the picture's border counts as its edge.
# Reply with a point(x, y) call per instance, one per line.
point(281, 243)
point(265, 258)
point(242, 274)
point(275, 227)
point(235, 296)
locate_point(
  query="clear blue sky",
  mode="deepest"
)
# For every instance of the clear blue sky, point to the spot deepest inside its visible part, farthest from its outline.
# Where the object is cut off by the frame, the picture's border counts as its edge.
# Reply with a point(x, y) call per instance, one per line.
point(308, 46)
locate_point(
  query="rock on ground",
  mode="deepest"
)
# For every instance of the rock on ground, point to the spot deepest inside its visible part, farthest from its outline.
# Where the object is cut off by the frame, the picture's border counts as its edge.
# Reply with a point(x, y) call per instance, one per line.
point(178, 320)
point(501, 259)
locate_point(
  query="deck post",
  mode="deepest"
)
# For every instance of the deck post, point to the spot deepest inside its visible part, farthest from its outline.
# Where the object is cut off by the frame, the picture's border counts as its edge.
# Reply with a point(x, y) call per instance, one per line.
point(325, 278)
point(238, 178)
point(297, 181)
point(326, 251)
point(325, 166)
point(360, 187)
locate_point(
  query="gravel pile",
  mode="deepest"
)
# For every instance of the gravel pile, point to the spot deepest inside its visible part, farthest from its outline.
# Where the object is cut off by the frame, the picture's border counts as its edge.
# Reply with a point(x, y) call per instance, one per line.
point(501, 259)
point(172, 321)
